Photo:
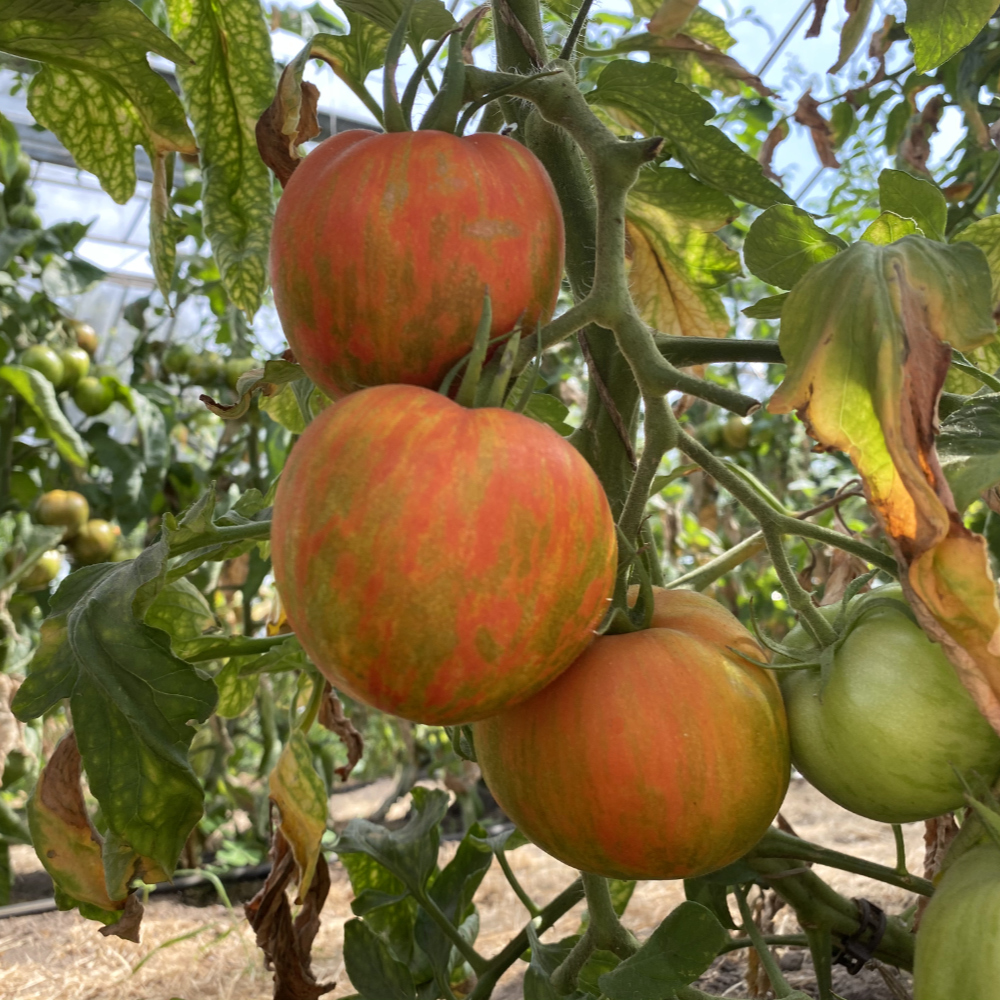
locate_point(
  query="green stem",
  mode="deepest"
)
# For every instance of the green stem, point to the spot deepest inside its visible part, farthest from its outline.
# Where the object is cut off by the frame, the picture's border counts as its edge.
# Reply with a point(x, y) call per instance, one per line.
point(897, 832)
point(788, 940)
point(313, 705)
point(821, 947)
point(779, 985)
point(241, 646)
point(255, 530)
point(778, 844)
point(450, 931)
point(499, 964)
point(516, 885)
point(703, 576)
point(686, 351)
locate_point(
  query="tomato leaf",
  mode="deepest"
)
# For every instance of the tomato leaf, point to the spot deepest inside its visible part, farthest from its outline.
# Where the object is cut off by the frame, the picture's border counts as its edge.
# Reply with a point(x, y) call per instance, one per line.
point(676, 954)
point(236, 690)
point(784, 242)
point(353, 56)
point(545, 959)
point(865, 370)
point(940, 28)
point(384, 902)
point(914, 198)
point(37, 391)
point(429, 19)
point(131, 699)
point(371, 967)
point(858, 14)
point(180, 610)
point(300, 795)
point(888, 228)
point(969, 448)
point(226, 89)
point(648, 99)
point(768, 307)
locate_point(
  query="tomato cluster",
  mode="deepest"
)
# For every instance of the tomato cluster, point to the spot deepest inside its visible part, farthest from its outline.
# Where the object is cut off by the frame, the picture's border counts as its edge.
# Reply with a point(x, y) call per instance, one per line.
point(450, 565)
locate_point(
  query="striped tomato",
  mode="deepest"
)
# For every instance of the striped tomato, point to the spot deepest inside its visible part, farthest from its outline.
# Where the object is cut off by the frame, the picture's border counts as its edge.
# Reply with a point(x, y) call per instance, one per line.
point(659, 754)
point(384, 244)
point(437, 562)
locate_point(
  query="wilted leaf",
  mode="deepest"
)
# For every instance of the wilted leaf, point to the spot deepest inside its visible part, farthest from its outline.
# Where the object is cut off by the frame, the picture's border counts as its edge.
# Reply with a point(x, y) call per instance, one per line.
point(864, 372)
point(676, 954)
point(648, 98)
point(777, 135)
point(888, 228)
point(915, 145)
point(914, 198)
point(671, 16)
point(226, 89)
point(37, 391)
point(940, 28)
point(11, 736)
point(287, 943)
point(819, 12)
point(807, 113)
point(858, 14)
point(298, 792)
point(969, 448)
point(267, 381)
point(784, 243)
point(131, 699)
point(331, 716)
point(65, 840)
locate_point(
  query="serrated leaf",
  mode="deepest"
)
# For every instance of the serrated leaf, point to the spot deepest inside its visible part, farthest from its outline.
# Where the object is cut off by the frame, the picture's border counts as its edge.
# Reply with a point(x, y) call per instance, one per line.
point(96, 90)
point(353, 56)
point(131, 700)
point(226, 89)
point(969, 448)
point(371, 967)
point(300, 795)
point(868, 338)
point(429, 19)
point(180, 610)
point(37, 391)
point(650, 100)
point(888, 228)
point(940, 28)
point(784, 243)
point(914, 198)
point(545, 959)
point(676, 954)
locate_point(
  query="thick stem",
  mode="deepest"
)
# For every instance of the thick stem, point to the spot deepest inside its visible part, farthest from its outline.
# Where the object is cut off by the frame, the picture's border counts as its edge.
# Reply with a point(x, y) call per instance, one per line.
point(450, 931)
point(685, 351)
point(240, 646)
point(257, 530)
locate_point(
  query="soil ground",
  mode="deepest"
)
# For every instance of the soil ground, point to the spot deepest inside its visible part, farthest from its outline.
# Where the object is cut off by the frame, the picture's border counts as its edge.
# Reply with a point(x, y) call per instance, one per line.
point(208, 953)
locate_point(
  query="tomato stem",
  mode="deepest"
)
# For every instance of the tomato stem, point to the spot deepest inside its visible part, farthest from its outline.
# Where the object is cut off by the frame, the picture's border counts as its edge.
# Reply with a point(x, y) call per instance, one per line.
point(779, 984)
point(516, 885)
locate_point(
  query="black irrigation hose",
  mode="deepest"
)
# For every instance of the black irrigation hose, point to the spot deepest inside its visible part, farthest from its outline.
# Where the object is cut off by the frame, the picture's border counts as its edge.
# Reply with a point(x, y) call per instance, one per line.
point(249, 874)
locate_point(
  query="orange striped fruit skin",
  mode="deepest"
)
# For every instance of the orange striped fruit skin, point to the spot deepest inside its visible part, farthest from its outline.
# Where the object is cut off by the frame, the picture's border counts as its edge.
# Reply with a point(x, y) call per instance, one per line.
point(437, 562)
point(383, 246)
point(659, 754)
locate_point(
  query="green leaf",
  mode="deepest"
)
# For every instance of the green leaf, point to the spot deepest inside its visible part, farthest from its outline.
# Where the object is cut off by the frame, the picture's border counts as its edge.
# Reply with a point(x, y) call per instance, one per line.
point(69, 276)
point(768, 307)
point(858, 14)
point(545, 959)
point(969, 448)
point(353, 56)
point(370, 966)
point(676, 954)
point(647, 98)
point(600, 963)
point(180, 610)
point(888, 228)
point(37, 391)
point(549, 409)
point(914, 198)
point(784, 243)
point(985, 234)
point(227, 88)
point(429, 19)
point(236, 690)
point(384, 902)
point(96, 90)
point(131, 698)
point(713, 896)
point(687, 200)
point(409, 853)
point(940, 28)
point(165, 227)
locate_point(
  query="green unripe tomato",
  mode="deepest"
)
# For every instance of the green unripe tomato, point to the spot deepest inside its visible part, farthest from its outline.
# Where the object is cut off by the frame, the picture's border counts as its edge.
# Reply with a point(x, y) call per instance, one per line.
point(178, 359)
point(235, 367)
point(21, 173)
point(206, 368)
point(63, 507)
point(92, 395)
point(24, 217)
point(736, 433)
point(43, 572)
point(893, 731)
point(86, 335)
point(958, 944)
point(45, 361)
point(76, 364)
point(95, 542)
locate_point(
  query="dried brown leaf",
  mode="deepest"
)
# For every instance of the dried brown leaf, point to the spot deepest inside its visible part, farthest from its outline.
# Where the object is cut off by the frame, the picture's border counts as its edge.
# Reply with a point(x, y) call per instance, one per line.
point(777, 135)
point(128, 927)
point(331, 716)
point(711, 57)
point(844, 568)
point(819, 10)
point(290, 121)
point(807, 113)
point(915, 146)
point(939, 832)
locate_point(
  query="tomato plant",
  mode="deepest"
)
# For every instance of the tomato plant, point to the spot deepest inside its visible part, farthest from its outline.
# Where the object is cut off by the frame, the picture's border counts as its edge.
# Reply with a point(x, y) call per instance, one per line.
point(700, 774)
point(387, 285)
point(887, 731)
point(527, 377)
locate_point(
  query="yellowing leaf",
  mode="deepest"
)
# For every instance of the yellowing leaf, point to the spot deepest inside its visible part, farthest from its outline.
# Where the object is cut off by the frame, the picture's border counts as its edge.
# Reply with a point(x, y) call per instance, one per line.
point(298, 792)
point(868, 337)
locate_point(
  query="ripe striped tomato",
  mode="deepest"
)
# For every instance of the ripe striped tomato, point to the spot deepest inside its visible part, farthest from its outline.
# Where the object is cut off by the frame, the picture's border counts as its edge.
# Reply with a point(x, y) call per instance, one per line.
point(659, 754)
point(437, 562)
point(383, 246)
